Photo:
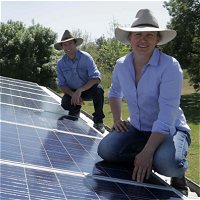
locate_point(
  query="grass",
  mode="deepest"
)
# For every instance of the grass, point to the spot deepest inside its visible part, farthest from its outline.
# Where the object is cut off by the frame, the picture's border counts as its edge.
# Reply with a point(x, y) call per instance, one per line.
point(193, 155)
point(190, 102)
point(190, 105)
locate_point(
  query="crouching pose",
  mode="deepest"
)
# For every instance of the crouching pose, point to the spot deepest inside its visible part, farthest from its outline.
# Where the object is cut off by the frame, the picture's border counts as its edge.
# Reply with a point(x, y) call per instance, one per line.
point(156, 135)
point(79, 79)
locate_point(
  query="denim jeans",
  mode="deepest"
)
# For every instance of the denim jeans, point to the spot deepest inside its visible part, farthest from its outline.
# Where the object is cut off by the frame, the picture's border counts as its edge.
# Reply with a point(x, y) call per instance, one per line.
point(95, 93)
point(169, 158)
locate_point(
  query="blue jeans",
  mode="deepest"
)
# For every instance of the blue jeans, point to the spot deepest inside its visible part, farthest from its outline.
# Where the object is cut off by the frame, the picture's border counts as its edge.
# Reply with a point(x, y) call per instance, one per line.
point(169, 158)
point(95, 93)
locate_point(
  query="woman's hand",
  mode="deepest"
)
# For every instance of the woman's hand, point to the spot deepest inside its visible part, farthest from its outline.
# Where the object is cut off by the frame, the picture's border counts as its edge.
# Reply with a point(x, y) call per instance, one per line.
point(120, 126)
point(142, 166)
point(143, 161)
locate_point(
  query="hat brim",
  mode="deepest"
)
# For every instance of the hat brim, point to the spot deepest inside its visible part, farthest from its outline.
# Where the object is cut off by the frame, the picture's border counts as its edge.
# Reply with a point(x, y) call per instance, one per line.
point(166, 34)
point(58, 45)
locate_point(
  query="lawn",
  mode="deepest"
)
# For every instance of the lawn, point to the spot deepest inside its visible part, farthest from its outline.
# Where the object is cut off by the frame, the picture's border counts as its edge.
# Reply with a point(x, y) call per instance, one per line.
point(190, 102)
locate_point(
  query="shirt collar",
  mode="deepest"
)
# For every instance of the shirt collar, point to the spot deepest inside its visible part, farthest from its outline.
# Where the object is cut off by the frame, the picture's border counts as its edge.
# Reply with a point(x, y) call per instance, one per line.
point(154, 58)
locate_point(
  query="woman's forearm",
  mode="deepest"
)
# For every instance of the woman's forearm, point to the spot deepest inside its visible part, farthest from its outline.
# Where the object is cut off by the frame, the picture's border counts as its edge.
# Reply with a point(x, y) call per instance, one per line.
point(115, 105)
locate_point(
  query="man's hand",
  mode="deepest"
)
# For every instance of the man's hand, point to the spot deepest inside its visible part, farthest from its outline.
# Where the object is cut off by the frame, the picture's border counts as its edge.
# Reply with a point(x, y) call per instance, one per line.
point(120, 126)
point(76, 98)
point(142, 166)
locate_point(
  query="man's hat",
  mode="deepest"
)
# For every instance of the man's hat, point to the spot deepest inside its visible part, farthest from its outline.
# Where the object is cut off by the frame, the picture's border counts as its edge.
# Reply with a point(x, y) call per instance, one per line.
point(67, 36)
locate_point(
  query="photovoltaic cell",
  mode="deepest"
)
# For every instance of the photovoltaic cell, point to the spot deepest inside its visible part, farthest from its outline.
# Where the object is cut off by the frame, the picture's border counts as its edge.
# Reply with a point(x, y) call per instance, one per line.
point(7, 80)
point(33, 96)
point(44, 119)
point(26, 183)
point(25, 89)
point(28, 102)
point(48, 148)
point(45, 154)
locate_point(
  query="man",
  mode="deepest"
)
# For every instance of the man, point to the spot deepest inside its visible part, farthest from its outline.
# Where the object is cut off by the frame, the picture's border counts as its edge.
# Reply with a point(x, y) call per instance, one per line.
point(157, 135)
point(79, 79)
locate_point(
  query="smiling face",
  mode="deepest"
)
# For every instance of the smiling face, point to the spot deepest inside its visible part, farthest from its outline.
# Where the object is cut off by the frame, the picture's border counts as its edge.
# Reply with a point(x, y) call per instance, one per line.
point(143, 43)
point(69, 48)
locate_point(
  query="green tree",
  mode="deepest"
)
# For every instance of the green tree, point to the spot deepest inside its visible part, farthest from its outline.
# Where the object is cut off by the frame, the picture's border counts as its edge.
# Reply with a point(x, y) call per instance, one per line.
point(100, 41)
point(86, 37)
point(110, 51)
point(27, 54)
point(185, 47)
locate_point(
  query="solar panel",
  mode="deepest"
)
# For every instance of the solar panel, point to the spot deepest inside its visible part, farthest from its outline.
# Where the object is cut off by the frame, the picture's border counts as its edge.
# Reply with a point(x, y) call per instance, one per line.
point(45, 154)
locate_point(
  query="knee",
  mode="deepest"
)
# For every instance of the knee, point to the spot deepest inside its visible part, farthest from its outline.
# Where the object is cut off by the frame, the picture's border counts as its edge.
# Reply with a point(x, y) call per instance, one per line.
point(170, 170)
point(103, 151)
point(66, 101)
point(98, 90)
point(106, 151)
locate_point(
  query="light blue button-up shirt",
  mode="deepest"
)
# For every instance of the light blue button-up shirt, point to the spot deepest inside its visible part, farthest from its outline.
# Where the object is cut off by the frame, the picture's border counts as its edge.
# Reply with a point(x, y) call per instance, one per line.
point(154, 104)
point(76, 73)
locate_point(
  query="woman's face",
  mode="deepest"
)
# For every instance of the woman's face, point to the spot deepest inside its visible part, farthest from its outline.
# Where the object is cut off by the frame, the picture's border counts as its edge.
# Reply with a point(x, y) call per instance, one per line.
point(143, 43)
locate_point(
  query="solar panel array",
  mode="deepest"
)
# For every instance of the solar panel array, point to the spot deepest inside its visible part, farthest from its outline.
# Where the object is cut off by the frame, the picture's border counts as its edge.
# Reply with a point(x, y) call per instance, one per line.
point(45, 154)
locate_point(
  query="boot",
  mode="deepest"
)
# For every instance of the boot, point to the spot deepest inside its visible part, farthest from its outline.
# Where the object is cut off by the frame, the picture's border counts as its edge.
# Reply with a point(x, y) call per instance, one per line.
point(180, 184)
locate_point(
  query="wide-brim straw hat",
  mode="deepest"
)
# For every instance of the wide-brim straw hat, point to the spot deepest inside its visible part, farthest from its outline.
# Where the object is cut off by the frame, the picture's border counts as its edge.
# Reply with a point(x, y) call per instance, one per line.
point(67, 36)
point(144, 21)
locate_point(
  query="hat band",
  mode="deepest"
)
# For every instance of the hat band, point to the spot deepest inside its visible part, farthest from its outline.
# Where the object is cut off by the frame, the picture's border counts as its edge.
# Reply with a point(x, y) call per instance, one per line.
point(150, 25)
point(68, 38)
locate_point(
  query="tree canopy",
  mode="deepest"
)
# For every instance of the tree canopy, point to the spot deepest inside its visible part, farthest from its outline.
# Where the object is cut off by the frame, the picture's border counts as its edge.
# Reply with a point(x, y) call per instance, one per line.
point(185, 18)
point(26, 53)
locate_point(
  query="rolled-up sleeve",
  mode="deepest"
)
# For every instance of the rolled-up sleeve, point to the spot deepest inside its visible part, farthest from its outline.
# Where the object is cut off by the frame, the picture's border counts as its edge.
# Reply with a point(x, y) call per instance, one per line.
point(61, 78)
point(93, 71)
point(169, 99)
point(115, 88)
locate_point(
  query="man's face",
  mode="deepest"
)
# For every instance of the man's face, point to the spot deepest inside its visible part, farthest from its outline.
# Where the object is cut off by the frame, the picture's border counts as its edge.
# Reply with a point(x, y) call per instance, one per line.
point(69, 48)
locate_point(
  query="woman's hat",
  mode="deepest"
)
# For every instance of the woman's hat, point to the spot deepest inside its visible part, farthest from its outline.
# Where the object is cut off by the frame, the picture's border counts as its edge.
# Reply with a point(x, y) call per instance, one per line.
point(67, 36)
point(145, 21)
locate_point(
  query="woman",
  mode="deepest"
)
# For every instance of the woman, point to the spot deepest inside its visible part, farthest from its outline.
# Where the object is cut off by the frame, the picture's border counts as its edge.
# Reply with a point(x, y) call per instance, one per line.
point(156, 135)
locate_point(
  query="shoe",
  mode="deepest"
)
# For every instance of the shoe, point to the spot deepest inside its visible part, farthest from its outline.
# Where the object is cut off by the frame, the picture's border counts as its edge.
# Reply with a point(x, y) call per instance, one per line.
point(69, 117)
point(100, 127)
point(180, 184)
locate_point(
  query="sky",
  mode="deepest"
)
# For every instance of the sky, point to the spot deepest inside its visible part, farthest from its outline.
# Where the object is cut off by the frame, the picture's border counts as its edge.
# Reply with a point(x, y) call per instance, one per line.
point(93, 18)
